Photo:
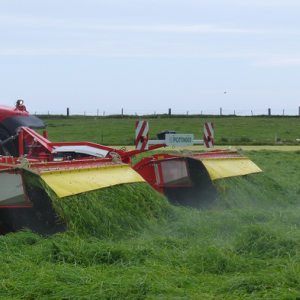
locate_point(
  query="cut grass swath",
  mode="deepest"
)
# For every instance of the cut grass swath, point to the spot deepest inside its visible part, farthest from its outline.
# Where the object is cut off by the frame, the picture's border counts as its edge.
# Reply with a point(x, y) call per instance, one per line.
point(108, 212)
point(250, 251)
point(253, 190)
point(119, 210)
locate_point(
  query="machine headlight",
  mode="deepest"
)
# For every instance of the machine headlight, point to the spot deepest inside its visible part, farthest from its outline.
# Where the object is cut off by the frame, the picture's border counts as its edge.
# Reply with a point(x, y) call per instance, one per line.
point(19, 102)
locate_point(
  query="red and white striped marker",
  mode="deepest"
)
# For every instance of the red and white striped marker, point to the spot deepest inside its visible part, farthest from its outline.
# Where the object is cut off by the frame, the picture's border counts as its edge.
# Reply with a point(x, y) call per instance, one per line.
point(208, 135)
point(141, 135)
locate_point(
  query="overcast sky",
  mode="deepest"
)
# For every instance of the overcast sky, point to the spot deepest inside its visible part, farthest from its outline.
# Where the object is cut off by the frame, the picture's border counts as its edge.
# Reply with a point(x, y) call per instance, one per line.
point(150, 55)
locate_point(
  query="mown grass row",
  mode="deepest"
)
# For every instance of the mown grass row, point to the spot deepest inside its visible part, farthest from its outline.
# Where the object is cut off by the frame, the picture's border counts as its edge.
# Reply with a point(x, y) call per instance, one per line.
point(235, 254)
point(246, 247)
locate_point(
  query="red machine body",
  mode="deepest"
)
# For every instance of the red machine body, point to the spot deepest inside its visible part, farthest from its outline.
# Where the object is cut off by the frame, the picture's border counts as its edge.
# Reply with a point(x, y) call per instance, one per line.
point(185, 179)
point(8, 111)
point(43, 156)
point(11, 119)
point(169, 174)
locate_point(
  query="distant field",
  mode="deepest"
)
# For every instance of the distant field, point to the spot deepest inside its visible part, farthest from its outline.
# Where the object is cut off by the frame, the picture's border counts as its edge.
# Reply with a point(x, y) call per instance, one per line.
point(228, 130)
point(218, 147)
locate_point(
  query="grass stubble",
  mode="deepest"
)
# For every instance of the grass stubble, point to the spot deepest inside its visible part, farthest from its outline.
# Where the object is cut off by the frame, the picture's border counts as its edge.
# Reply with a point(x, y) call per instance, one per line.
point(127, 242)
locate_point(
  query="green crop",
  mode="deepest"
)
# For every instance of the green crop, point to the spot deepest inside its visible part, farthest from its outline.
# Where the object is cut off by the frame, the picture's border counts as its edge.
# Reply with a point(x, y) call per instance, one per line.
point(127, 242)
point(227, 130)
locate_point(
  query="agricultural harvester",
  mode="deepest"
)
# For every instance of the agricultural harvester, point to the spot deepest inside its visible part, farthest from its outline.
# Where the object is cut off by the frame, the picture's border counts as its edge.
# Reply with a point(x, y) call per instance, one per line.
point(70, 168)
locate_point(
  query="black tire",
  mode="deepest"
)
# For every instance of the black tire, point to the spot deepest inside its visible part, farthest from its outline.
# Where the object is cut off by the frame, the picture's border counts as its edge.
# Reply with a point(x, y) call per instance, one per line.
point(8, 149)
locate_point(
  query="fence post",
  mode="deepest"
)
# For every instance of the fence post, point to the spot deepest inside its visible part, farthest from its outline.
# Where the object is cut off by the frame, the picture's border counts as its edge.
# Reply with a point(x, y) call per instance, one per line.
point(169, 112)
point(68, 113)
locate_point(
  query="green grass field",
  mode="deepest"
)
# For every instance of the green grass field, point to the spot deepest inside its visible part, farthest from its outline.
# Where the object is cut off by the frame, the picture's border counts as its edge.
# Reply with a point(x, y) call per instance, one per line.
point(228, 131)
point(140, 247)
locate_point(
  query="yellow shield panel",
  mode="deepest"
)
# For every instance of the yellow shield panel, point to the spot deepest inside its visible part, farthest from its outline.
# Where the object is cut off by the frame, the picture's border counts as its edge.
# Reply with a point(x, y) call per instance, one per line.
point(71, 182)
point(229, 167)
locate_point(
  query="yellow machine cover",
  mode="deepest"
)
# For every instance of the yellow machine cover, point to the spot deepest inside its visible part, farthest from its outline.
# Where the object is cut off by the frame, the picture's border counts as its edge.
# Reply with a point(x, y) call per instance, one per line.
point(71, 182)
point(229, 167)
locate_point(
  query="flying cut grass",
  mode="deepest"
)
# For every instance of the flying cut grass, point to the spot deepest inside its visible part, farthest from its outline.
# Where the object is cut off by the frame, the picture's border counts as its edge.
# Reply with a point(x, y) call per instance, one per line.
point(109, 212)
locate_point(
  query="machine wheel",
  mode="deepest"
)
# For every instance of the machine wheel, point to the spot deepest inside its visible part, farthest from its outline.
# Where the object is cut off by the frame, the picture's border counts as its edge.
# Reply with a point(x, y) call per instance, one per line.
point(9, 148)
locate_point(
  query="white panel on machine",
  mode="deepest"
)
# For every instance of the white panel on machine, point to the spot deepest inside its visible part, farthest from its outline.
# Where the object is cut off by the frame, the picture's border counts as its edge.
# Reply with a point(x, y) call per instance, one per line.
point(11, 187)
point(82, 149)
point(179, 140)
